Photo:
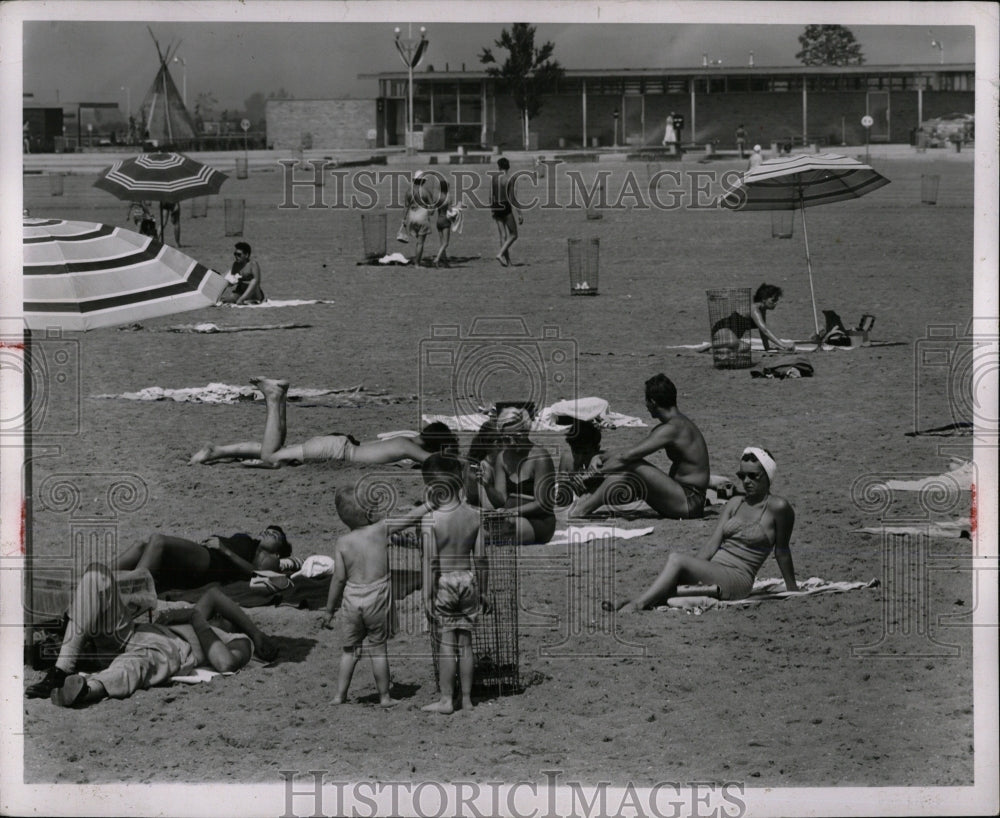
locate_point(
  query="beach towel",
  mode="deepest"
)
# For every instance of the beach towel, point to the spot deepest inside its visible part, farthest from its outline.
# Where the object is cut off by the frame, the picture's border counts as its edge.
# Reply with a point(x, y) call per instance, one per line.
point(275, 302)
point(209, 328)
point(943, 529)
point(764, 590)
point(546, 420)
point(783, 368)
point(588, 533)
point(227, 393)
point(961, 476)
point(394, 258)
point(756, 345)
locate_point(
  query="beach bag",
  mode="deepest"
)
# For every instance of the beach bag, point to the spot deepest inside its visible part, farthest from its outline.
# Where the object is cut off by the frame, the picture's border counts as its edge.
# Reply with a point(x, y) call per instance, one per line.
point(783, 368)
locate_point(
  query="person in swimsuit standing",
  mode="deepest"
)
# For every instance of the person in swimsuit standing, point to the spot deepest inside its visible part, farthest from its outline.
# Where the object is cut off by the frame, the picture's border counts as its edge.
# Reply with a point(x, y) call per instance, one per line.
point(749, 528)
point(503, 210)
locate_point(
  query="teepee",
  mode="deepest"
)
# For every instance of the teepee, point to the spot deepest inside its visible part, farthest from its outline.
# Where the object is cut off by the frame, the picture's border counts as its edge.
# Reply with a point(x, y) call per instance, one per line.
point(164, 117)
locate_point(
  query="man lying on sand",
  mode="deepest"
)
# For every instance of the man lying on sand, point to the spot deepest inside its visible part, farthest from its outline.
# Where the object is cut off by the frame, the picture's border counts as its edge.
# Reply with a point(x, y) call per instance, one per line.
point(146, 654)
point(272, 452)
point(628, 476)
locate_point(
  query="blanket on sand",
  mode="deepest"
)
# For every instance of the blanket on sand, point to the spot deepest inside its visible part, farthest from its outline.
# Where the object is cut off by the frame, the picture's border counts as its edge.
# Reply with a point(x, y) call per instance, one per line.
point(227, 393)
point(943, 529)
point(763, 590)
point(275, 302)
point(209, 328)
point(800, 346)
point(587, 533)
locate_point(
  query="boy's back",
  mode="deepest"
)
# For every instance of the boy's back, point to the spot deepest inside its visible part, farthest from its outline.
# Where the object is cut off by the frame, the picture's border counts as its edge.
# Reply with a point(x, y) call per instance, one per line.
point(365, 554)
point(456, 530)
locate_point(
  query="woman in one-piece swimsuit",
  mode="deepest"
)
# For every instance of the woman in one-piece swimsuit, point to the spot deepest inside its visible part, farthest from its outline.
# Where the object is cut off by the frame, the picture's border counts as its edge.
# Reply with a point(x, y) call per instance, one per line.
point(749, 528)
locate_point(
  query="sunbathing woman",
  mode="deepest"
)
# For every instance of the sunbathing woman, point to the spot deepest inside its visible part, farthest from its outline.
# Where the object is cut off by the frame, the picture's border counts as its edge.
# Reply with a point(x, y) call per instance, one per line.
point(481, 463)
point(523, 480)
point(750, 526)
point(272, 452)
point(176, 562)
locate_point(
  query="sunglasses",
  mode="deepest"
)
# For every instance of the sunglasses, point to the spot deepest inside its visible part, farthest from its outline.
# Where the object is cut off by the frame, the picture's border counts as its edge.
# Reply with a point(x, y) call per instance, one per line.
point(749, 475)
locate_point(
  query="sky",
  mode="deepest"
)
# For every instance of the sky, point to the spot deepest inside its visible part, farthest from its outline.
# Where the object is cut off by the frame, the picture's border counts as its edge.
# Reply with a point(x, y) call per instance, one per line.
point(71, 61)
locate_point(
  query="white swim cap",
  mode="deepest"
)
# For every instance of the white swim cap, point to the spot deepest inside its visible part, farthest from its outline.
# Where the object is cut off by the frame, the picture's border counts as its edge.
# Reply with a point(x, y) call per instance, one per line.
point(756, 148)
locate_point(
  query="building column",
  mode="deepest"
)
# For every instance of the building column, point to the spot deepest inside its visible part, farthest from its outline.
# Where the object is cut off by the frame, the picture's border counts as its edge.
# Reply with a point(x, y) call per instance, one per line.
point(584, 98)
point(484, 112)
point(805, 115)
point(692, 137)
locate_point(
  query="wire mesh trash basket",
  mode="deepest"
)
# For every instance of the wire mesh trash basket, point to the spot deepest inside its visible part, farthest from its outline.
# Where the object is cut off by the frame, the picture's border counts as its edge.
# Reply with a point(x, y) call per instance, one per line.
point(373, 227)
point(495, 644)
point(56, 184)
point(242, 167)
point(782, 224)
point(235, 212)
point(199, 207)
point(730, 324)
point(584, 265)
point(929, 188)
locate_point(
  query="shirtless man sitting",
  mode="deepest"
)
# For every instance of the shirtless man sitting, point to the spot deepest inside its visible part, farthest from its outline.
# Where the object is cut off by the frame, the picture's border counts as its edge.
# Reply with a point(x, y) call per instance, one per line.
point(679, 494)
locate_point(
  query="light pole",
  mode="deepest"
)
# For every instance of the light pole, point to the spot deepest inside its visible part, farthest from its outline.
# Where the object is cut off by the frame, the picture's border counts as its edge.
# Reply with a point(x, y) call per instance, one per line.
point(128, 100)
point(411, 51)
point(184, 79)
point(940, 47)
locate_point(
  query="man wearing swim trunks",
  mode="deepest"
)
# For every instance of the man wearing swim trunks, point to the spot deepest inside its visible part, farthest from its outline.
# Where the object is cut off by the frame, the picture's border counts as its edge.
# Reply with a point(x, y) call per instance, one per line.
point(420, 209)
point(454, 575)
point(503, 209)
point(629, 476)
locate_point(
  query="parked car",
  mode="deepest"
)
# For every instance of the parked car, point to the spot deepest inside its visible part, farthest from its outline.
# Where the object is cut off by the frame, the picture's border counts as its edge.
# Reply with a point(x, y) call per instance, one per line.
point(949, 128)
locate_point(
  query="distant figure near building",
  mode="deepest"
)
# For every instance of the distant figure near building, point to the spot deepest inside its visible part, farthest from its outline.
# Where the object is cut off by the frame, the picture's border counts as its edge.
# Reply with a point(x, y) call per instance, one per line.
point(741, 140)
point(669, 135)
point(678, 131)
point(755, 158)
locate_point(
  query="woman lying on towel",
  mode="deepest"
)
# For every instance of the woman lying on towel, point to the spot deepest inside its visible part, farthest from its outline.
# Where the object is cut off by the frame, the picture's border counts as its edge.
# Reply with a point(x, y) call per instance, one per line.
point(523, 482)
point(272, 452)
point(750, 526)
point(176, 562)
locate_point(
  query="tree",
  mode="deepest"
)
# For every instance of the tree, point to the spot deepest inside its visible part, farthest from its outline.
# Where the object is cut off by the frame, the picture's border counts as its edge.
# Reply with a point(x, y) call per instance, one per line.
point(526, 73)
point(829, 45)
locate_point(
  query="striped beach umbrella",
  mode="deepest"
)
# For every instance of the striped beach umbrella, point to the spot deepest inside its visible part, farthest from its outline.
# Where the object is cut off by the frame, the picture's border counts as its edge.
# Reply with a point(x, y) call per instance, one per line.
point(82, 275)
point(802, 181)
point(160, 177)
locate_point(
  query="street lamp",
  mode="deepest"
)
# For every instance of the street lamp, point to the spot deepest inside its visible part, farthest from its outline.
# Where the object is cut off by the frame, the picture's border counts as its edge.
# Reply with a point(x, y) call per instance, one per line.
point(184, 79)
point(940, 47)
point(615, 115)
point(128, 99)
point(411, 51)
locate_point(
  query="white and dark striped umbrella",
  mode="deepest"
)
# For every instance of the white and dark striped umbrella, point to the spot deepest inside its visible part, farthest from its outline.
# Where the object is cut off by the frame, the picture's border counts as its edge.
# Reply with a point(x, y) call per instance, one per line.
point(802, 181)
point(81, 275)
point(160, 177)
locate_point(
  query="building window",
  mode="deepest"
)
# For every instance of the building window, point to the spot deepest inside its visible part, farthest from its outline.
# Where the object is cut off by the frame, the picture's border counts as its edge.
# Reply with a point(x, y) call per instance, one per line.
point(470, 109)
point(676, 85)
point(738, 84)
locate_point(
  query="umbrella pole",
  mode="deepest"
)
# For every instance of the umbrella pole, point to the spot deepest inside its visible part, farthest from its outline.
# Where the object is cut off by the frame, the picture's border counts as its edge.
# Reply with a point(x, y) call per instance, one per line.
point(809, 267)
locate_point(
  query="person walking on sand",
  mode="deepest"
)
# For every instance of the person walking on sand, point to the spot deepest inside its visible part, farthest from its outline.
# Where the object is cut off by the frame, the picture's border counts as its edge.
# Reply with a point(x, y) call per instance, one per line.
point(417, 216)
point(454, 576)
point(755, 158)
point(271, 452)
point(741, 140)
point(502, 206)
point(677, 495)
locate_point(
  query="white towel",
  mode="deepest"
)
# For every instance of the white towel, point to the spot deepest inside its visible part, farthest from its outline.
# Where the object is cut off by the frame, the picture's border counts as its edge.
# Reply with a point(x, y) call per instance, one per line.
point(765, 589)
point(274, 302)
point(962, 477)
point(219, 393)
point(945, 529)
point(588, 533)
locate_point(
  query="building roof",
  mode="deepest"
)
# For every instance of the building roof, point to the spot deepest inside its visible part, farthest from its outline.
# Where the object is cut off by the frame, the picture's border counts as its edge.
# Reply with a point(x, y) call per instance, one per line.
point(701, 71)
